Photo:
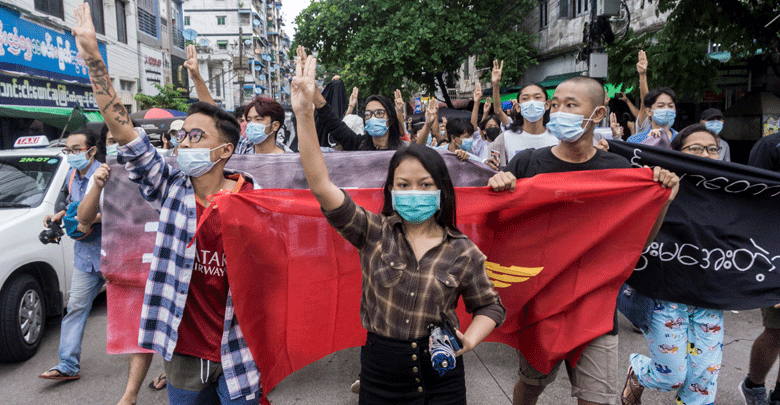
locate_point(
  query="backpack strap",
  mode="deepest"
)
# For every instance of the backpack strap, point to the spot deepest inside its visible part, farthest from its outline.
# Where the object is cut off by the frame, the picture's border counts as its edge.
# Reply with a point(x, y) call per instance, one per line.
point(70, 182)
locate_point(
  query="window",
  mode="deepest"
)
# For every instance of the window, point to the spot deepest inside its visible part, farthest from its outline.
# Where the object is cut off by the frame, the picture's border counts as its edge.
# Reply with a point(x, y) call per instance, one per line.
point(147, 17)
point(220, 20)
point(563, 9)
point(581, 6)
point(96, 6)
point(244, 19)
point(187, 20)
point(222, 44)
point(121, 22)
point(50, 7)
point(126, 85)
point(542, 14)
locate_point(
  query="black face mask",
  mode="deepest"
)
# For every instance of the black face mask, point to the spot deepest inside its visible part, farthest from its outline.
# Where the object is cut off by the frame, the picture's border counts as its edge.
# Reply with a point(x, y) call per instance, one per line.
point(492, 133)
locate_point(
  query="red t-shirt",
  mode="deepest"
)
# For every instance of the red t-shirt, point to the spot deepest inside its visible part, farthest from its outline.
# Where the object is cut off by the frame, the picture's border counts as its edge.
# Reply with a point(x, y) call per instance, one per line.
point(202, 324)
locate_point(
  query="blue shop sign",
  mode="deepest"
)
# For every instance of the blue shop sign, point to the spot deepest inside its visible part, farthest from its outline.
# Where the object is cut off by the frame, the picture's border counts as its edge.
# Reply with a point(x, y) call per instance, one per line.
point(33, 49)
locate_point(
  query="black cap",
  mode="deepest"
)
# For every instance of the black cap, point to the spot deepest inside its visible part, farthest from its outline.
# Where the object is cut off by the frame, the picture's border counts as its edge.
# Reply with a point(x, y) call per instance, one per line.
point(711, 113)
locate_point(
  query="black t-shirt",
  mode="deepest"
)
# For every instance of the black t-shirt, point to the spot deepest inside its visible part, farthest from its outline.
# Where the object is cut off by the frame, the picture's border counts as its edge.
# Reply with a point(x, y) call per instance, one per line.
point(530, 162)
point(766, 153)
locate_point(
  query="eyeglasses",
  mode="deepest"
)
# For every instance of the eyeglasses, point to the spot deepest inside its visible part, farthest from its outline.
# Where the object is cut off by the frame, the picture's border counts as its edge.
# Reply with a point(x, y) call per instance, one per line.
point(74, 151)
point(194, 134)
point(699, 149)
point(379, 113)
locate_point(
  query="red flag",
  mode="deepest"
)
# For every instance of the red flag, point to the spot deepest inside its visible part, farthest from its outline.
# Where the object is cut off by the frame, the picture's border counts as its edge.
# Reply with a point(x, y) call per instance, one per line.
point(558, 247)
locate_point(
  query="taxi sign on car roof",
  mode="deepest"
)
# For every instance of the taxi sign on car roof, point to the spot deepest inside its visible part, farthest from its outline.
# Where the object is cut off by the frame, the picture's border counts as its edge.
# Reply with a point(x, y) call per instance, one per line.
point(36, 141)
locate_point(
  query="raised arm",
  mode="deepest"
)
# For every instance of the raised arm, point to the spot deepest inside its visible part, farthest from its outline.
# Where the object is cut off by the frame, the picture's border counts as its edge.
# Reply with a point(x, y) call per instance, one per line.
point(495, 78)
point(631, 106)
point(353, 99)
point(400, 109)
point(477, 95)
point(192, 67)
point(431, 120)
point(111, 107)
point(641, 68)
point(303, 89)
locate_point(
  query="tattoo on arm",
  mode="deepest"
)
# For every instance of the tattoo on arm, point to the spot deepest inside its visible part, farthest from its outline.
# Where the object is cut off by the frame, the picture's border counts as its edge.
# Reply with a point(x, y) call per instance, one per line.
point(101, 83)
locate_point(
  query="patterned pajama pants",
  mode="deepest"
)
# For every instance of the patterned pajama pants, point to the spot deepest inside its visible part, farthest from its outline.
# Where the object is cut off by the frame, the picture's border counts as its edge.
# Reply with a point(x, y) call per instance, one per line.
point(686, 347)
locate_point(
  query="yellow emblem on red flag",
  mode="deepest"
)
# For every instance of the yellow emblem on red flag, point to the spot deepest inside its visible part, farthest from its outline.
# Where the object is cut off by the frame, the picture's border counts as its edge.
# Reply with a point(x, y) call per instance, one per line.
point(503, 277)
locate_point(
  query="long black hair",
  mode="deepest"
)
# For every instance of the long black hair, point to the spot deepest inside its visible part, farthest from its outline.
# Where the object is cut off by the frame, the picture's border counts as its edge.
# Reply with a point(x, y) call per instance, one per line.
point(435, 166)
point(393, 128)
point(517, 117)
point(92, 140)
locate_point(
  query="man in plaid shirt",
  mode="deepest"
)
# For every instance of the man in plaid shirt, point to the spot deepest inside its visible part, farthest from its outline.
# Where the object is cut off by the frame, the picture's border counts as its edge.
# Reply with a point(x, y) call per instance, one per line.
point(188, 312)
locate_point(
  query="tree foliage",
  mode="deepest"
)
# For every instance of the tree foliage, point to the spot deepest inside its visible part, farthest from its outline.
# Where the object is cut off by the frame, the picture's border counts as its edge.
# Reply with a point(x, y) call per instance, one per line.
point(681, 65)
point(741, 27)
point(169, 97)
point(379, 45)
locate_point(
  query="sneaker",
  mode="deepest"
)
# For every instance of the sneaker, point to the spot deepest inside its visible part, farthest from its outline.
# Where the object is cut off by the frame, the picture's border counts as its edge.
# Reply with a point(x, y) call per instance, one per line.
point(773, 402)
point(355, 386)
point(753, 396)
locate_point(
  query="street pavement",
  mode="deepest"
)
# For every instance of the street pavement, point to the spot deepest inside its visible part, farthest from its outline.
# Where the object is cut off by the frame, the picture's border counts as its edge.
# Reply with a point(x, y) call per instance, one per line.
point(491, 371)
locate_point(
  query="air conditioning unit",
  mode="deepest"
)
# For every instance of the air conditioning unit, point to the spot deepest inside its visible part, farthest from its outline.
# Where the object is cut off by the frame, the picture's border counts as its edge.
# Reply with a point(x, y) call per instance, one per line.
point(607, 8)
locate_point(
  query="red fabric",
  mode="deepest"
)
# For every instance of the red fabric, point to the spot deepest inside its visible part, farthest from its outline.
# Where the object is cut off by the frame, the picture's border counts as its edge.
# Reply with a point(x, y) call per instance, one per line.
point(202, 324)
point(297, 289)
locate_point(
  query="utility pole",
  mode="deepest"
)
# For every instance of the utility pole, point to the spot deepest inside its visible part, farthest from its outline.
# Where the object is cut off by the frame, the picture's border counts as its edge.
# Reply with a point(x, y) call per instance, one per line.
point(240, 62)
point(170, 38)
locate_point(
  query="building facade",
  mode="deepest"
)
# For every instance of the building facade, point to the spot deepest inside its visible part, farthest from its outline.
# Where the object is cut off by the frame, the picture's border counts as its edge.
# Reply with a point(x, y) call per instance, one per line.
point(41, 76)
point(242, 51)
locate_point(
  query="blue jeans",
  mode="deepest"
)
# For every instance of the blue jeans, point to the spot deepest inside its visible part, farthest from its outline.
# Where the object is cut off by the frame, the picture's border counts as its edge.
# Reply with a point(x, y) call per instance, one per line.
point(84, 287)
point(214, 394)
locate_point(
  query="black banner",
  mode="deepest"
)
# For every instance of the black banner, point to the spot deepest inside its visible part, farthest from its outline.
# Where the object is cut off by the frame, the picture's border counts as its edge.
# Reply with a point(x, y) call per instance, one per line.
point(719, 246)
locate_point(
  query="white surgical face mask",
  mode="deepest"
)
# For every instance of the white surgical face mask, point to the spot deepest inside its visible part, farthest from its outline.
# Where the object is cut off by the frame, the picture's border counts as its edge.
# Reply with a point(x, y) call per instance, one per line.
point(195, 162)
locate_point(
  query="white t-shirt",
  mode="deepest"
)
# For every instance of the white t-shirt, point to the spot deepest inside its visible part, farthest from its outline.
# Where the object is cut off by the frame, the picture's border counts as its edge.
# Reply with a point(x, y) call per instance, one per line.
point(601, 133)
point(89, 187)
point(515, 142)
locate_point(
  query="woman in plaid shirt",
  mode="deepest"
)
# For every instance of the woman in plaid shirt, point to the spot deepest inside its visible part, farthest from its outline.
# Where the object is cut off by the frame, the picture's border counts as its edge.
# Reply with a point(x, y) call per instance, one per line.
point(415, 263)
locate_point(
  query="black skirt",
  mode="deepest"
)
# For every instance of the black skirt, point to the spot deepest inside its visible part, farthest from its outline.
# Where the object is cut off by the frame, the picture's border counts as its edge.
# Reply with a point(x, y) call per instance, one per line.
point(400, 372)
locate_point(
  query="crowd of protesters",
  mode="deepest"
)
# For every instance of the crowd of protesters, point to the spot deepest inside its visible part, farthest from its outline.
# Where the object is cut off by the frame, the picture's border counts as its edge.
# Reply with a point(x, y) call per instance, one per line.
point(194, 328)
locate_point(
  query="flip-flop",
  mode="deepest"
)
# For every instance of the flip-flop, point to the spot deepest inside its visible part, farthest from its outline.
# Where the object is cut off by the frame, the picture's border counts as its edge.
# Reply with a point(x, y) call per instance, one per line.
point(159, 379)
point(59, 376)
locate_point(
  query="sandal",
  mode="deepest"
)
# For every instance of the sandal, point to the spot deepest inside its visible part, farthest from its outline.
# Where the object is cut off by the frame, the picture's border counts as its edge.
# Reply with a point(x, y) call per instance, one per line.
point(634, 390)
point(160, 379)
point(59, 376)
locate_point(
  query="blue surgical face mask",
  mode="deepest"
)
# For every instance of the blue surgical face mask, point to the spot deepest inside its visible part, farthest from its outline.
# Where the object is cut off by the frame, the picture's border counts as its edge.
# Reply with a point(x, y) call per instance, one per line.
point(255, 132)
point(195, 162)
point(664, 116)
point(714, 126)
point(567, 127)
point(376, 127)
point(466, 144)
point(174, 141)
point(532, 110)
point(416, 206)
point(79, 161)
point(111, 150)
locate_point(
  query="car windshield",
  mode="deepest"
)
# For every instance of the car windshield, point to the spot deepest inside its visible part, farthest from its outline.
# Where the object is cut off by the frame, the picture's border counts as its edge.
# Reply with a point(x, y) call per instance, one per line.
point(25, 179)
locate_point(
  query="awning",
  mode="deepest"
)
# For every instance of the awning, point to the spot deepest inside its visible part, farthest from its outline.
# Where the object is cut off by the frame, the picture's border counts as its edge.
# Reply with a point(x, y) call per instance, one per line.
point(551, 82)
point(54, 116)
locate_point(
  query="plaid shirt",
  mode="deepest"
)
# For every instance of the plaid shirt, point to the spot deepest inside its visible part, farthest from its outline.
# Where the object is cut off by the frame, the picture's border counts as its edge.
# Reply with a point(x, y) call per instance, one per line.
point(247, 147)
point(171, 268)
point(401, 296)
